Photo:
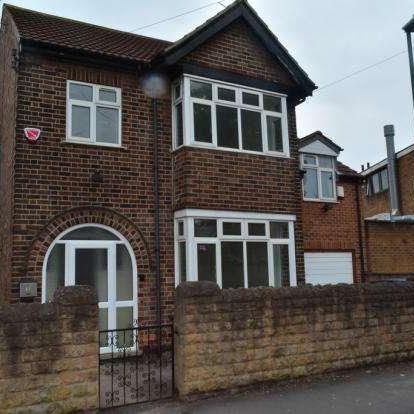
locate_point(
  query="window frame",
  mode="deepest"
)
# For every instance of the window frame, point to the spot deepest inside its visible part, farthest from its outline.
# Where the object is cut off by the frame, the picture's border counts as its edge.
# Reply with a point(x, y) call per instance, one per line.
point(244, 218)
point(92, 140)
point(188, 115)
point(319, 171)
point(370, 183)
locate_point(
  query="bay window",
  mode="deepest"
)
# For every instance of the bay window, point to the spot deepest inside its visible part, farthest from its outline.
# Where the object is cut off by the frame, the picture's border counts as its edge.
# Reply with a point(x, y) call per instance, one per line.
point(235, 249)
point(229, 117)
point(319, 177)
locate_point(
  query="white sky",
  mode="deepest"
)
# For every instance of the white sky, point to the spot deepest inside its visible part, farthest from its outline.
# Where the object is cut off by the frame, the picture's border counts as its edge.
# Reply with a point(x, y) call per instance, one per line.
point(329, 39)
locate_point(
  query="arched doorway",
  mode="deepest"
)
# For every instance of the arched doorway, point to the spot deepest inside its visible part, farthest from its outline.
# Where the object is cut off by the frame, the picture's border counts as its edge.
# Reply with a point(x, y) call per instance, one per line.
point(99, 256)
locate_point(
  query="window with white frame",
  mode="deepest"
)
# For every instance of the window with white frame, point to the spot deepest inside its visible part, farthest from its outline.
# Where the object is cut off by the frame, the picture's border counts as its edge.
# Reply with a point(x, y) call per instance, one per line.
point(229, 117)
point(235, 252)
point(378, 182)
point(319, 177)
point(93, 114)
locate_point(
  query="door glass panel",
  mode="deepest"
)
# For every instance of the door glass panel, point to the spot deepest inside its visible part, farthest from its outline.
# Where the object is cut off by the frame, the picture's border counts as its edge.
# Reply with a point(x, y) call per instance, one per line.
point(91, 268)
point(281, 264)
point(103, 326)
point(55, 270)
point(206, 258)
point(257, 269)
point(124, 320)
point(232, 264)
point(124, 274)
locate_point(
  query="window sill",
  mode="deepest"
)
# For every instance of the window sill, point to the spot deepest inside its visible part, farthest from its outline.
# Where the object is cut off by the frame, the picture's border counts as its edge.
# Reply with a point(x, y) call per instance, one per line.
point(322, 201)
point(94, 144)
point(236, 151)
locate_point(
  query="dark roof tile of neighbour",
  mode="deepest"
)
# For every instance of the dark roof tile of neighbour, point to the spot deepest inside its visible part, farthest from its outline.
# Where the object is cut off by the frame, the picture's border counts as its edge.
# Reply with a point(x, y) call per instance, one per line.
point(345, 170)
point(58, 31)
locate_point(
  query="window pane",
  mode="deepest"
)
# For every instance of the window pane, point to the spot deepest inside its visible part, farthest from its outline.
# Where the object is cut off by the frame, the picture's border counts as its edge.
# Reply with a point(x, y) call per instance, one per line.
point(90, 233)
point(81, 121)
point(375, 183)
point(181, 228)
point(107, 123)
point(103, 326)
point(206, 258)
point(182, 262)
point(279, 230)
point(227, 127)
point(202, 123)
point(124, 275)
point(179, 124)
point(309, 160)
point(310, 183)
point(274, 133)
point(231, 229)
point(232, 265)
point(281, 264)
point(327, 184)
point(201, 90)
point(384, 179)
point(325, 161)
point(108, 95)
point(205, 228)
point(257, 268)
point(80, 92)
point(177, 91)
point(257, 229)
point(226, 94)
point(250, 98)
point(124, 320)
point(55, 270)
point(272, 103)
point(251, 130)
point(91, 268)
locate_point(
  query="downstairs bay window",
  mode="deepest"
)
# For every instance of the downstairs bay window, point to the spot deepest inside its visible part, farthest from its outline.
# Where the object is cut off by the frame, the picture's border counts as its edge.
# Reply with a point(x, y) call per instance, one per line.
point(229, 117)
point(235, 249)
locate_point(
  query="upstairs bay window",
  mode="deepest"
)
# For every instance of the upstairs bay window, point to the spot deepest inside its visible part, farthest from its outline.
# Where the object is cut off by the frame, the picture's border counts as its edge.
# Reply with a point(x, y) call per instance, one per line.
point(235, 249)
point(229, 117)
point(319, 177)
point(93, 114)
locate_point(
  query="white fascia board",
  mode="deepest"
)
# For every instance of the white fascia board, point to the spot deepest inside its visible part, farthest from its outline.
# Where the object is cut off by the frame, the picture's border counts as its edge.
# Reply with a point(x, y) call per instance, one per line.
point(194, 212)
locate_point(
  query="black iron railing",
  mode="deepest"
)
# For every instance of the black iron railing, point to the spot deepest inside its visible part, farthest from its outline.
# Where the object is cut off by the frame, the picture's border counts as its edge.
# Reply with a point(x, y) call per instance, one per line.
point(136, 365)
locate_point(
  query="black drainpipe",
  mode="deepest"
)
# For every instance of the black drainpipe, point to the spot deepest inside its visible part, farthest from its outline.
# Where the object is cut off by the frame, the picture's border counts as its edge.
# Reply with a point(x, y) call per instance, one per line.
point(360, 232)
point(157, 208)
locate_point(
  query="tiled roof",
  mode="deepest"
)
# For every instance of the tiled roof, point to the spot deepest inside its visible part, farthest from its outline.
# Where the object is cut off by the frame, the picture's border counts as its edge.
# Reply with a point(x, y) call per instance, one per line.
point(58, 31)
point(345, 170)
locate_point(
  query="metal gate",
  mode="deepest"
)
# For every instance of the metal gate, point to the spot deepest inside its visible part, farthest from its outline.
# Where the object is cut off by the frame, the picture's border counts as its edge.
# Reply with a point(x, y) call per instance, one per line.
point(136, 365)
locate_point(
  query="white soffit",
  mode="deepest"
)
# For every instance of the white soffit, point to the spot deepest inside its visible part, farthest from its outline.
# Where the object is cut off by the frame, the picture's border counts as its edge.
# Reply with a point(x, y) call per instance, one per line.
point(317, 147)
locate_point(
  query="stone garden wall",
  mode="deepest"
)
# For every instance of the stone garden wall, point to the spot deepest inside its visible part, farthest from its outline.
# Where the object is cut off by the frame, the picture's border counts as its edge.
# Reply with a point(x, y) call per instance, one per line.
point(232, 338)
point(49, 354)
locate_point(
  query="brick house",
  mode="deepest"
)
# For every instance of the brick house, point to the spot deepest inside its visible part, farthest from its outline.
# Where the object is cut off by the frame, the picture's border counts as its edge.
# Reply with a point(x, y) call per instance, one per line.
point(158, 162)
point(389, 229)
point(332, 227)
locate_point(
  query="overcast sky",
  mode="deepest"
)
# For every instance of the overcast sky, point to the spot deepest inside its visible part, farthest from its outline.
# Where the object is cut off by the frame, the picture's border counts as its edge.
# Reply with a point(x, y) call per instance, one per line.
point(329, 39)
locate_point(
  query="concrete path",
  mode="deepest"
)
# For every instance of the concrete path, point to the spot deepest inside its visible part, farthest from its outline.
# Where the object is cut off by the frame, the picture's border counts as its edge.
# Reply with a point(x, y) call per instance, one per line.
point(380, 390)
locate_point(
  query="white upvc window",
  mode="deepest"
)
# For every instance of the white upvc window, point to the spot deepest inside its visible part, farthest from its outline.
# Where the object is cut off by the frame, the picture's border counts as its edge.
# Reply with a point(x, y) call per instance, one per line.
point(93, 114)
point(220, 115)
point(235, 249)
point(319, 178)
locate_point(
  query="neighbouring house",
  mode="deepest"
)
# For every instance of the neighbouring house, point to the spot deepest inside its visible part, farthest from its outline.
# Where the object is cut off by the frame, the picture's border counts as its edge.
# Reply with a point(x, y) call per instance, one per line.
point(156, 163)
point(332, 228)
point(388, 220)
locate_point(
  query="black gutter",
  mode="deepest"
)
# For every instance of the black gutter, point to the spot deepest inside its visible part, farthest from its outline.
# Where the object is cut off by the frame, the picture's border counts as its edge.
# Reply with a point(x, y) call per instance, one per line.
point(157, 207)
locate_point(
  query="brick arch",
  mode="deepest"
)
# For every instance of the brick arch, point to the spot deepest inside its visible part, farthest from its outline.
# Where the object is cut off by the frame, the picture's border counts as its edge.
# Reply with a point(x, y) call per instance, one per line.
point(86, 215)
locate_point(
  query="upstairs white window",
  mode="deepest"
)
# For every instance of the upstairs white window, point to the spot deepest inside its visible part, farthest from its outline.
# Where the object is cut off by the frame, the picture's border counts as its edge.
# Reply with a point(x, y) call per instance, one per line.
point(93, 114)
point(378, 182)
point(319, 177)
point(229, 117)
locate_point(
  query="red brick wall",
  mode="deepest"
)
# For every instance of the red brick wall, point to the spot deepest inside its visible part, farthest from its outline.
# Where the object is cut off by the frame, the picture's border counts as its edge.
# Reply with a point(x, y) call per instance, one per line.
point(8, 44)
point(336, 229)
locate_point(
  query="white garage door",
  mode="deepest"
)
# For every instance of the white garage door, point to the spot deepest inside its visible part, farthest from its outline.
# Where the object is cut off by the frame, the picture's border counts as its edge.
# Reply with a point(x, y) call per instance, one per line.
point(333, 267)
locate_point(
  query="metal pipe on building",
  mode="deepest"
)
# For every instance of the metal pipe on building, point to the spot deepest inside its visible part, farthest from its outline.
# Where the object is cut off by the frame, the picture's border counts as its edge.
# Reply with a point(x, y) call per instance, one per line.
point(409, 28)
point(392, 170)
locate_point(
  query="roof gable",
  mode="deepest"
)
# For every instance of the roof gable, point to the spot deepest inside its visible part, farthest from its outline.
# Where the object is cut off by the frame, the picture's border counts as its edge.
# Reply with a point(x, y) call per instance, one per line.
point(317, 143)
point(240, 9)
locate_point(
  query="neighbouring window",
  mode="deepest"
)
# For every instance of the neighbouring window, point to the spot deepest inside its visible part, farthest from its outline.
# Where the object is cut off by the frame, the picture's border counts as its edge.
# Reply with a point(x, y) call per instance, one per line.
point(378, 182)
point(319, 177)
point(213, 114)
point(96, 256)
point(93, 114)
point(235, 252)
